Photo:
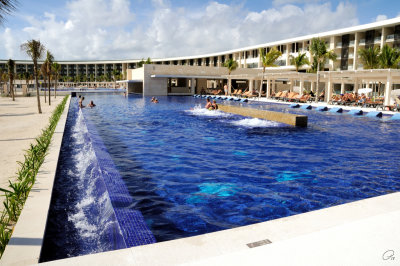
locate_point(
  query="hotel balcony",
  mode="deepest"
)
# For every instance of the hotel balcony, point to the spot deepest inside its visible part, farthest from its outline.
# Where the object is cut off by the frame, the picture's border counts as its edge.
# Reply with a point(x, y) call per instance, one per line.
point(362, 42)
point(338, 45)
point(351, 44)
point(378, 39)
point(390, 38)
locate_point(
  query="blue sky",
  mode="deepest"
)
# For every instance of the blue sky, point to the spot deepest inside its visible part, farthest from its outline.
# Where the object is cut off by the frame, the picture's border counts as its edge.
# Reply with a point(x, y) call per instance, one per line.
point(126, 29)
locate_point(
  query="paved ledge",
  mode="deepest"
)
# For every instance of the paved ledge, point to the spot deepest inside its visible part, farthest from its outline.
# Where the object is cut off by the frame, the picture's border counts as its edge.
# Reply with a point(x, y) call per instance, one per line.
point(357, 233)
point(27, 239)
point(286, 118)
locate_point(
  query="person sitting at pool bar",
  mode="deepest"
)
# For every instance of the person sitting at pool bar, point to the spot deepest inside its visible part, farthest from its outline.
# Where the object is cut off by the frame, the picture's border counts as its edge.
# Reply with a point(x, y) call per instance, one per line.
point(208, 104)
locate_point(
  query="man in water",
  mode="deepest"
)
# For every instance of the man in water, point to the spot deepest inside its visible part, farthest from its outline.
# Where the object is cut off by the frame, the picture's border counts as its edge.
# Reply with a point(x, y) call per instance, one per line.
point(91, 104)
point(81, 102)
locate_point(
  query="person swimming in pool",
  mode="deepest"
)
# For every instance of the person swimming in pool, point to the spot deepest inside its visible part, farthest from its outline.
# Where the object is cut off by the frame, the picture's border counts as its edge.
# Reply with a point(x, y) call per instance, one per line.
point(214, 105)
point(208, 104)
point(91, 104)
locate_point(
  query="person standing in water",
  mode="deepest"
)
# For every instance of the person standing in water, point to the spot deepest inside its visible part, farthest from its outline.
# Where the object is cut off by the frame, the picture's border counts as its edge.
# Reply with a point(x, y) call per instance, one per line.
point(208, 104)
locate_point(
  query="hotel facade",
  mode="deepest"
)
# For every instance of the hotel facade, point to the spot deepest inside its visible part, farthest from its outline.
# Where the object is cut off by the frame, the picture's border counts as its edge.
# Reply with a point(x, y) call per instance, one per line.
point(177, 72)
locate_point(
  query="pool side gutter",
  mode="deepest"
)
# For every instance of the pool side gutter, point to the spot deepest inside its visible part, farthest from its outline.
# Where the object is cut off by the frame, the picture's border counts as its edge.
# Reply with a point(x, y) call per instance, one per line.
point(363, 232)
point(26, 242)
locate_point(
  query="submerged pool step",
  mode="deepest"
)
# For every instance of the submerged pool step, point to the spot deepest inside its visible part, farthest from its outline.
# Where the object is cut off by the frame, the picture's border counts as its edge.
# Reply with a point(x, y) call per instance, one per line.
point(355, 112)
point(395, 117)
point(322, 108)
point(374, 114)
point(336, 110)
point(306, 107)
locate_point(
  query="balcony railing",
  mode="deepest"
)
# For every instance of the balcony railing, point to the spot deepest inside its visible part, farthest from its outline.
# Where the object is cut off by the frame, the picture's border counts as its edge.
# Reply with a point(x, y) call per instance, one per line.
point(362, 42)
point(378, 39)
point(390, 37)
point(351, 43)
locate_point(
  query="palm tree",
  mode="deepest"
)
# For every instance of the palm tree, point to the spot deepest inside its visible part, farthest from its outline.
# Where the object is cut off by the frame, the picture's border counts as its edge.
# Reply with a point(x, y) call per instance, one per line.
point(11, 66)
point(35, 50)
point(6, 7)
point(369, 57)
point(321, 54)
point(56, 70)
point(389, 57)
point(299, 61)
point(115, 74)
point(27, 77)
point(48, 69)
point(268, 60)
point(231, 65)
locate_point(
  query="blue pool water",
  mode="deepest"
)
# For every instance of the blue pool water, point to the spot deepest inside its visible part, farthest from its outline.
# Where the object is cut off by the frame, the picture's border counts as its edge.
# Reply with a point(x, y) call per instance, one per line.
point(191, 171)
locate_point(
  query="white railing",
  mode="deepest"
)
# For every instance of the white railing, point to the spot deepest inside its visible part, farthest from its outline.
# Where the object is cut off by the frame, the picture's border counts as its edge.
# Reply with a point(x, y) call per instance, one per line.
point(390, 37)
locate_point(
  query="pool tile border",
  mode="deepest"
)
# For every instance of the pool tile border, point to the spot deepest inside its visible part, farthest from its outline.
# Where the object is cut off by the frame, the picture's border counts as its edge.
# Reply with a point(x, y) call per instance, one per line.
point(132, 224)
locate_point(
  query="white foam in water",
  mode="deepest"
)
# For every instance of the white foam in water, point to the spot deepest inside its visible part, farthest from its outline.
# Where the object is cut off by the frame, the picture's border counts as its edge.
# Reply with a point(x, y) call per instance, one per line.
point(89, 227)
point(254, 122)
point(201, 111)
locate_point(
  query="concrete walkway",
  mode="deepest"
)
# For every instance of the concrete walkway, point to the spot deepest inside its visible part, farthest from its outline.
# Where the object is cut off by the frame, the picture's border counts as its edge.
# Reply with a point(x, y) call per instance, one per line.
point(20, 124)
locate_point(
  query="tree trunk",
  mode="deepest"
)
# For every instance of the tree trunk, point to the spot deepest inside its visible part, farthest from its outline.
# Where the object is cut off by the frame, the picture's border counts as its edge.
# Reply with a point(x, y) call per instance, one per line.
point(49, 85)
point(55, 87)
point(317, 88)
point(45, 100)
point(37, 90)
point(12, 89)
point(261, 85)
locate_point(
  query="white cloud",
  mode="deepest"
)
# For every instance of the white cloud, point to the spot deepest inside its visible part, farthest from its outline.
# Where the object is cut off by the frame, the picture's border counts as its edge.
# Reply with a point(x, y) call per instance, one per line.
point(101, 29)
point(381, 17)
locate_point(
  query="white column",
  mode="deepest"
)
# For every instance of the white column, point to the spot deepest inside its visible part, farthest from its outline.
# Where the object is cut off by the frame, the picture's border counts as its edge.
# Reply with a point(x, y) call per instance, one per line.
point(273, 86)
point(251, 86)
point(240, 60)
point(342, 88)
point(287, 55)
point(383, 37)
point(388, 89)
point(245, 60)
point(291, 85)
point(329, 92)
point(355, 58)
point(268, 88)
point(192, 86)
point(301, 86)
point(219, 61)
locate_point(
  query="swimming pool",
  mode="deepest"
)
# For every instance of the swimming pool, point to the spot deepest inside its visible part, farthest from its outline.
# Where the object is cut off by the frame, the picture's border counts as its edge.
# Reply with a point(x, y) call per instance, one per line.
point(191, 171)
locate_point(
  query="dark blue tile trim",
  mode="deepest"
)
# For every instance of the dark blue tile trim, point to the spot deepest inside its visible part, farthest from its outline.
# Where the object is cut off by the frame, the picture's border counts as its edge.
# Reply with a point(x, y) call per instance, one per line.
point(131, 222)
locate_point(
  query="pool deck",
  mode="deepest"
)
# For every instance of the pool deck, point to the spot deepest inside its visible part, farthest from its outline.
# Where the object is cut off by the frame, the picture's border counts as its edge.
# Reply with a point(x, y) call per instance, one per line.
point(364, 232)
point(27, 238)
point(20, 124)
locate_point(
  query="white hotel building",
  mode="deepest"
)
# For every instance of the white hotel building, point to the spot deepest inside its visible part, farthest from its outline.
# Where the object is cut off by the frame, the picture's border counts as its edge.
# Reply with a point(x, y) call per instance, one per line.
point(209, 67)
